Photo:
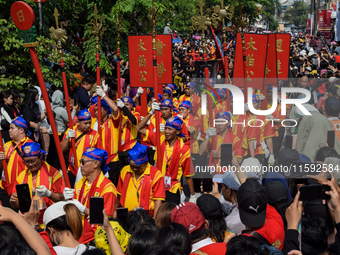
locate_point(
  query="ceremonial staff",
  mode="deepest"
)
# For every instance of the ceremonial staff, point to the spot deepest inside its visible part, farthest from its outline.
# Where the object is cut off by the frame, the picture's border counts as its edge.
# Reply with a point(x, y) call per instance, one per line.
point(59, 34)
point(98, 30)
point(219, 15)
point(23, 18)
point(202, 23)
point(118, 28)
point(153, 12)
point(4, 163)
point(242, 23)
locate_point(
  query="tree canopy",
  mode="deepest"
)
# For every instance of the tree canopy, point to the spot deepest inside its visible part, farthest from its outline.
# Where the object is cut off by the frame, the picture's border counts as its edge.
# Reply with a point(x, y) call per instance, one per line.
point(297, 14)
point(16, 66)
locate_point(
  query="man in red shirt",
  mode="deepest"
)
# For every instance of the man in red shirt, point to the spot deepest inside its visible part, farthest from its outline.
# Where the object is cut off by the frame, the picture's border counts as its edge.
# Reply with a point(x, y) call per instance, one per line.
point(189, 215)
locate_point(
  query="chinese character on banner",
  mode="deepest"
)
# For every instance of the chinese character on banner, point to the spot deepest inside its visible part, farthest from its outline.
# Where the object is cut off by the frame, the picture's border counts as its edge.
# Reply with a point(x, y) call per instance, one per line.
point(271, 63)
point(140, 61)
point(256, 55)
point(164, 58)
point(282, 53)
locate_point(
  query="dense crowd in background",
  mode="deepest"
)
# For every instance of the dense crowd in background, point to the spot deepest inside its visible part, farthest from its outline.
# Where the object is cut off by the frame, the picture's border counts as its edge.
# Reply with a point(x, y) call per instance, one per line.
point(172, 208)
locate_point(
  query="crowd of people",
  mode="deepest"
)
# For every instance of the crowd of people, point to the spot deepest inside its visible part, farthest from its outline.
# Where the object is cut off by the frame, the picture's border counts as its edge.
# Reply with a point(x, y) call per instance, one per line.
point(165, 205)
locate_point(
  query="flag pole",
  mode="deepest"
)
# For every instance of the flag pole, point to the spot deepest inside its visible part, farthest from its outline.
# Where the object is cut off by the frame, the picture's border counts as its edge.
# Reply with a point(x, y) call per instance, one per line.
point(62, 37)
point(153, 12)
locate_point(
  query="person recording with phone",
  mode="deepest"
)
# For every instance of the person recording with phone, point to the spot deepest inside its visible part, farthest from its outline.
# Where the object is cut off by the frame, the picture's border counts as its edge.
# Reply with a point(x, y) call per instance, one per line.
point(93, 184)
point(43, 180)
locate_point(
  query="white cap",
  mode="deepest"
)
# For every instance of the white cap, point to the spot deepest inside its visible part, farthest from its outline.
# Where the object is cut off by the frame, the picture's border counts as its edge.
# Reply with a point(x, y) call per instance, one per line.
point(54, 211)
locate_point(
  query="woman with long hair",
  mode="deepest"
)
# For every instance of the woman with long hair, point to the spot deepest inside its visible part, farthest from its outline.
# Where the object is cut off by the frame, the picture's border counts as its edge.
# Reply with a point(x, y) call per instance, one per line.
point(31, 113)
point(7, 113)
point(63, 223)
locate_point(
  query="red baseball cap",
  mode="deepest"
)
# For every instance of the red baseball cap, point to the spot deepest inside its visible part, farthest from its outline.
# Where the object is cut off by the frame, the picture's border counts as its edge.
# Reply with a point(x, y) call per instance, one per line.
point(189, 215)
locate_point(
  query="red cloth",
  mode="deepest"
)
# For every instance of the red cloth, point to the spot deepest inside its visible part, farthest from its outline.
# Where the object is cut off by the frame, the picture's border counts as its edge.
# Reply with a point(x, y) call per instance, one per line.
point(214, 249)
point(273, 229)
point(46, 238)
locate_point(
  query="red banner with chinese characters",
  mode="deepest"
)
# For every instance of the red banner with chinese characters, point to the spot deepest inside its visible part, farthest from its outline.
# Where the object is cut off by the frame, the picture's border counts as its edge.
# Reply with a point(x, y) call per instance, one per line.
point(164, 58)
point(324, 24)
point(282, 53)
point(140, 60)
point(256, 55)
point(271, 63)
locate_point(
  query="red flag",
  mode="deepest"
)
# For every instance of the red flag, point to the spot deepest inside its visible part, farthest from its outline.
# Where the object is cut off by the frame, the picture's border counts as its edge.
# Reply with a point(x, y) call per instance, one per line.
point(256, 54)
point(282, 53)
point(164, 58)
point(271, 63)
point(140, 60)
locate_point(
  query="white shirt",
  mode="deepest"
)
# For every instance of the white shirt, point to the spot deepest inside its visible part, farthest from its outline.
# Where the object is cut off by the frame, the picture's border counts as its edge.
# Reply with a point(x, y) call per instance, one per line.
point(62, 250)
point(200, 244)
point(234, 222)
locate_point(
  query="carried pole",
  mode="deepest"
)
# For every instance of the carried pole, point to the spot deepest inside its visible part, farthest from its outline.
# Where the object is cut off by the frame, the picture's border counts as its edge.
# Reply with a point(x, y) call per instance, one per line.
point(242, 23)
point(23, 18)
point(98, 30)
point(118, 28)
point(219, 14)
point(59, 34)
point(153, 12)
point(4, 164)
point(203, 23)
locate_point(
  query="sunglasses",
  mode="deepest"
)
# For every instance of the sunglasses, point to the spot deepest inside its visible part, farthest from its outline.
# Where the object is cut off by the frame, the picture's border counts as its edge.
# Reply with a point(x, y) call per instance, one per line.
point(83, 162)
point(28, 162)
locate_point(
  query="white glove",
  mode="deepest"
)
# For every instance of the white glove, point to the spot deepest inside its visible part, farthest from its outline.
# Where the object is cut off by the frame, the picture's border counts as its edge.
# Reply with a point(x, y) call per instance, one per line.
point(154, 107)
point(100, 92)
point(120, 103)
point(105, 86)
point(79, 205)
point(262, 97)
point(68, 193)
point(42, 191)
point(269, 117)
point(161, 127)
point(140, 91)
point(71, 134)
point(271, 159)
point(192, 199)
point(180, 116)
point(210, 133)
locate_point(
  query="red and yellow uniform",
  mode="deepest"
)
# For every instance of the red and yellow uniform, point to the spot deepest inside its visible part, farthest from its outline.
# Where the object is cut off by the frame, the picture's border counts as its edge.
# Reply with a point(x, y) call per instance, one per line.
point(110, 137)
point(195, 102)
point(90, 139)
point(239, 123)
point(258, 134)
point(276, 115)
point(175, 160)
point(128, 131)
point(101, 187)
point(47, 176)
point(15, 164)
point(184, 98)
point(176, 102)
point(228, 138)
point(152, 126)
point(142, 192)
